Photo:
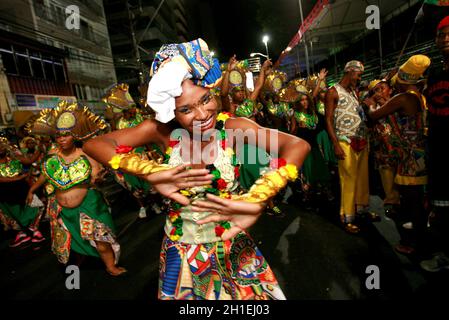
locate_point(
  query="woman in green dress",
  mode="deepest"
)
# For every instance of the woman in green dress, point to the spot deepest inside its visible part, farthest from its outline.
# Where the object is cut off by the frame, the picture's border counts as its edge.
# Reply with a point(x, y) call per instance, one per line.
point(324, 143)
point(315, 173)
point(14, 213)
point(80, 220)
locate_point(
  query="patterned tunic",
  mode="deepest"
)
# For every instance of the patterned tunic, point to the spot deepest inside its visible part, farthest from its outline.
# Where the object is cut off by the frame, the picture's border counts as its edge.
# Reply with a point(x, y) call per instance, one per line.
point(349, 118)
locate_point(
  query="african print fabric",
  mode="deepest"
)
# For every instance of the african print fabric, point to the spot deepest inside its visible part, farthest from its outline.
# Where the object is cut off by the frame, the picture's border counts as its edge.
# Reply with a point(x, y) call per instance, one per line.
point(222, 270)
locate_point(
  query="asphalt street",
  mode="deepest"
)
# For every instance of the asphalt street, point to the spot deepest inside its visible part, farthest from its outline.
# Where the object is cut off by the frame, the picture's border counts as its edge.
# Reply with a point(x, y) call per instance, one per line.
point(311, 255)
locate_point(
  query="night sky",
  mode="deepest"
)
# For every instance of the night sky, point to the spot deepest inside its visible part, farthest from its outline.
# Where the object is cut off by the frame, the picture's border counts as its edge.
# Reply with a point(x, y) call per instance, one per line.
point(237, 26)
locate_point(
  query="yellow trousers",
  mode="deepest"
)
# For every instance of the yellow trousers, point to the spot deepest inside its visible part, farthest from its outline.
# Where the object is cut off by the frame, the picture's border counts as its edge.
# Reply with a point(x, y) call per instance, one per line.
point(353, 172)
point(387, 175)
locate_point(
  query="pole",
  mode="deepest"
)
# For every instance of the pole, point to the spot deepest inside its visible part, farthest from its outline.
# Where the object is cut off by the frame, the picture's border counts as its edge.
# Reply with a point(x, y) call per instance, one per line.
point(311, 56)
point(134, 41)
point(380, 52)
point(335, 56)
point(297, 56)
point(151, 21)
point(380, 45)
point(305, 42)
point(266, 48)
point(409, 35)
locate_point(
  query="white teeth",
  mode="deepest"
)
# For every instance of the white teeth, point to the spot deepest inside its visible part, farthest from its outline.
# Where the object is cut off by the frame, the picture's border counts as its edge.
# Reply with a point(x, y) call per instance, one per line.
point(202, 124)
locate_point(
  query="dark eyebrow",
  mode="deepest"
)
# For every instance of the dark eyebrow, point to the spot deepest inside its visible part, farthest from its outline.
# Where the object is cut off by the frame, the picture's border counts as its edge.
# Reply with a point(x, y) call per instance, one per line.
point(201, 100)
point(206, 95)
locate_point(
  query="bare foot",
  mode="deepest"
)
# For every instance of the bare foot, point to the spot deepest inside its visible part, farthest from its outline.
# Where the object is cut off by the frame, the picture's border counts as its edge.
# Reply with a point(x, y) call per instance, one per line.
point(116, 271)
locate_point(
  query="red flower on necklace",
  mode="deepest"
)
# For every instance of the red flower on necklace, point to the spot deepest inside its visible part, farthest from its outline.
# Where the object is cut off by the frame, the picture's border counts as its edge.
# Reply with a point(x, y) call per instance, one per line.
point(237, 172)
point(173, 143)
point(219, 230)
point(228, 113)
point(123, 149)
point(221, 184)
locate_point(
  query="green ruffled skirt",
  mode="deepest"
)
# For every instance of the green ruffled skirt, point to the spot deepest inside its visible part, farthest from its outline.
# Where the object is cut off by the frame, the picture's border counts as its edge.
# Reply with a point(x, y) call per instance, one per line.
point(82, 226)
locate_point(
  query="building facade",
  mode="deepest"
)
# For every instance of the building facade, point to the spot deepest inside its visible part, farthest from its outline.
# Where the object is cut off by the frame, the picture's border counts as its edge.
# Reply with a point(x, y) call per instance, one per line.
point(51, 50)
point(137, 29)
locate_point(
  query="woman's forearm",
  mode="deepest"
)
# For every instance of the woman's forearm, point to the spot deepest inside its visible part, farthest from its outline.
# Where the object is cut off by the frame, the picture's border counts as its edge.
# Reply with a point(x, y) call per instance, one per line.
point(225, 85)
point(39, 183)
point(103, 148)
point(295, 151)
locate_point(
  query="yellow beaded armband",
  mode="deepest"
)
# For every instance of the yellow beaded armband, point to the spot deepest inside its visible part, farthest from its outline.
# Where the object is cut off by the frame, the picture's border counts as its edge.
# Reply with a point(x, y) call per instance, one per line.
point(269, 184)
point(133, 163)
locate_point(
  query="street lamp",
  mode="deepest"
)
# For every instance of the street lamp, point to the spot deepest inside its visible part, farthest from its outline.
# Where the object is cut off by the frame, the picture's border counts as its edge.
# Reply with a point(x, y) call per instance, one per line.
point(258, 54)
point(265, 40)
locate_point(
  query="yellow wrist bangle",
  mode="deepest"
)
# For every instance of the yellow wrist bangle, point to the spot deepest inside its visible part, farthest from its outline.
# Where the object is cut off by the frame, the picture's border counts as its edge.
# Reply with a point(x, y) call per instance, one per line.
point(269, 184)
point(132, 163)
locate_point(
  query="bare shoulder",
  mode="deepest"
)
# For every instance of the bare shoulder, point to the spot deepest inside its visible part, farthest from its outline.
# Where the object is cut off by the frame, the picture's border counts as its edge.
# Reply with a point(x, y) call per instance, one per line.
point(404, 97)
point(154, 127)
point(240, 123)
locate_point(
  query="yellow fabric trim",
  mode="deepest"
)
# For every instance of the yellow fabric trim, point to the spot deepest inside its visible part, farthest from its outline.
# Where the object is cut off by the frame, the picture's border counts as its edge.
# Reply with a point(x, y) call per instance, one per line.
point(269, 184)
point(410, 181)
point(132, 163)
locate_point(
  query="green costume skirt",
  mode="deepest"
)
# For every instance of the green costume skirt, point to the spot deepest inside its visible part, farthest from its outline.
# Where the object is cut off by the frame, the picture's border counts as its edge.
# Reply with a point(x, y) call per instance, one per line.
point(252, 160)
point(314, 171)
point(326, 148)
point(78, 228)
point(22, 214)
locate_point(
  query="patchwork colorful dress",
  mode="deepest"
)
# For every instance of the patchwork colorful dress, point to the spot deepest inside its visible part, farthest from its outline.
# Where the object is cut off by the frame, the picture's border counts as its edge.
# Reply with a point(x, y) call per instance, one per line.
point(386, 142)
point(195, 263)
point(412, 168)
point(77, 228)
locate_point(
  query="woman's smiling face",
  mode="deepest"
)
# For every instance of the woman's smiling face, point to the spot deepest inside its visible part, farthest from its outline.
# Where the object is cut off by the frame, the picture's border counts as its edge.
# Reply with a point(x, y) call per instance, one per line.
point(196, 107)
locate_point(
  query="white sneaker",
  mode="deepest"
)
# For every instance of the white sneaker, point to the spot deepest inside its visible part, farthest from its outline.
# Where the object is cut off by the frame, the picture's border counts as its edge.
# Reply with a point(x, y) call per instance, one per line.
point(408, 225)
point(156, 208)
point(439, 262)
point(142, 213)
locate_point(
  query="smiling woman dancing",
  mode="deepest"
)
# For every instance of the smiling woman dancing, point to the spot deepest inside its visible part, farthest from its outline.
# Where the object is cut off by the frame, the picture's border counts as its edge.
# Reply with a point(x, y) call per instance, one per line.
point(206, 252)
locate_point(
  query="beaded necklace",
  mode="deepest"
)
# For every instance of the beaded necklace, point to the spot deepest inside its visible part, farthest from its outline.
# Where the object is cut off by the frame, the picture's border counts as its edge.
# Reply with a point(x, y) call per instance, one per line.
point(219, 186)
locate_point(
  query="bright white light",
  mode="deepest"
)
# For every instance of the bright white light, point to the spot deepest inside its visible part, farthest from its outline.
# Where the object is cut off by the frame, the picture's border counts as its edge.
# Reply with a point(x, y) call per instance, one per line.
point(265, 39)
point(212, 53)
point(288, 49)
point(253, 54)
